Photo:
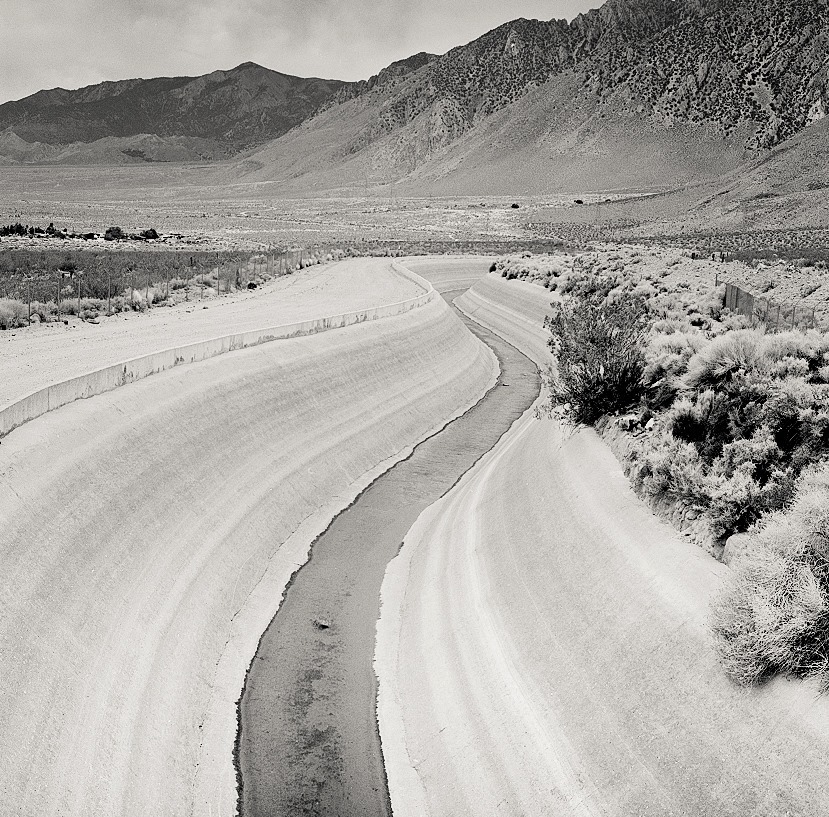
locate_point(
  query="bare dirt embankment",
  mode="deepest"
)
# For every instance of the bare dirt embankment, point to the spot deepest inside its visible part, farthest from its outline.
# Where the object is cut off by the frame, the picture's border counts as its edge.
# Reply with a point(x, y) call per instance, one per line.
point(148, 534)
point(543, 648)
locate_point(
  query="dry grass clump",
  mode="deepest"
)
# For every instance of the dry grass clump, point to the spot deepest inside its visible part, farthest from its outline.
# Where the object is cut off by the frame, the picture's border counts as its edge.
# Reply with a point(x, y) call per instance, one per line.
point(12, 314)
point(773, 615)
point(719, 360)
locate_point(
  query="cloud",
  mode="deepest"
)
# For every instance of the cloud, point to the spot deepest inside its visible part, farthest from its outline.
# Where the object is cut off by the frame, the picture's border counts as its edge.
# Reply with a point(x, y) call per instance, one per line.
point(44, 44)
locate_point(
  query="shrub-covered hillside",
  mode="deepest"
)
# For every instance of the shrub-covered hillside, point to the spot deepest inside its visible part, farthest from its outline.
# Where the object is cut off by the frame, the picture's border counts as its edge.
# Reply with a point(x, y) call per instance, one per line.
point(721, 427)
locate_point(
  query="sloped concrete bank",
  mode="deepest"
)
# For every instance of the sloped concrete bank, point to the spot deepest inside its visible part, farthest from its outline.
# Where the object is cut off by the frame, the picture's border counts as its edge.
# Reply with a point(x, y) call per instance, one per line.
point(543, 649)
point(514, 310)
point(148, 533)
point(111, 377)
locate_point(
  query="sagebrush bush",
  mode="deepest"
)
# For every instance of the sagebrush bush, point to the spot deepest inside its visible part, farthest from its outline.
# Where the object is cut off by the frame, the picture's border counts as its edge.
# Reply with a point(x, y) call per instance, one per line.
point(599, 344)
point(44, 311)
point(723, 358)
point(672, 471)
point(773, 614)
point(13, 313)
point(755, 432)
point(69, 306)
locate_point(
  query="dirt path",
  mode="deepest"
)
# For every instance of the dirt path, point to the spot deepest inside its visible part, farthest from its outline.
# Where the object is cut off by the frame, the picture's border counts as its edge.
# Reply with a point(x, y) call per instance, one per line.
point(34, 357)
point(543, 649)
point(308, 741)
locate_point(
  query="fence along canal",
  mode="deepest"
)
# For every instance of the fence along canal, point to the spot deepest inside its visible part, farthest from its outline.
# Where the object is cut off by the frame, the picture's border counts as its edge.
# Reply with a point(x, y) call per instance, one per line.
point(773, 315)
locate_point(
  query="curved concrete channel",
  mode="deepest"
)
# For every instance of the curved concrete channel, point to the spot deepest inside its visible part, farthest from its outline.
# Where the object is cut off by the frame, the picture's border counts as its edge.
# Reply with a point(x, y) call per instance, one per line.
point(308, 741)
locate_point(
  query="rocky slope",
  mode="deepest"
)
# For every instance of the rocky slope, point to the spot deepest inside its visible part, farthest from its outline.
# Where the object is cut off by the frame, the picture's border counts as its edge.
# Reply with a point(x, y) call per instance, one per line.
point(226, 110)
point(731, 63)
point(638, 93)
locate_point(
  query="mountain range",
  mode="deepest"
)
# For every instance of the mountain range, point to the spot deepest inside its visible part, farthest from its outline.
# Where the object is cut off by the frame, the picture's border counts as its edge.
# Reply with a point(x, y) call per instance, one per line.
point(637, 93)
point(211, 116)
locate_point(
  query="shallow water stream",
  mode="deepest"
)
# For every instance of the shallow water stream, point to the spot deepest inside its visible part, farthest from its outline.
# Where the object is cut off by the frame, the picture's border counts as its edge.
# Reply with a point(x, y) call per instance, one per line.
point(308, 742)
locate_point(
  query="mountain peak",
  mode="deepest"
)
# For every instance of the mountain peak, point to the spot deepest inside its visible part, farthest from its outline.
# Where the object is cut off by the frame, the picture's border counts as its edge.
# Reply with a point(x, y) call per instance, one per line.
point(247, 66)
point(233, 109)
point(750, 73)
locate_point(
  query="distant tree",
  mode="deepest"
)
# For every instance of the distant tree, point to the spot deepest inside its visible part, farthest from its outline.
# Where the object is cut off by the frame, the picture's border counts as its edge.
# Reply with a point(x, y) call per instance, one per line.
point(113, 234)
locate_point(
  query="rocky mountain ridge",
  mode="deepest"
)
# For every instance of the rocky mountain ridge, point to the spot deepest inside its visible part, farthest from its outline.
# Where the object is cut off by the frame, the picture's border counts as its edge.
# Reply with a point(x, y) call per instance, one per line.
point(760, 67)
point(231, 110)
point(664, 83)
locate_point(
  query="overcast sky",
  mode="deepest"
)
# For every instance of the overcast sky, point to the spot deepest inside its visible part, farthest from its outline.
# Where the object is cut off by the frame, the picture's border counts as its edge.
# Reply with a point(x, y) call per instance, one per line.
point(46, 44)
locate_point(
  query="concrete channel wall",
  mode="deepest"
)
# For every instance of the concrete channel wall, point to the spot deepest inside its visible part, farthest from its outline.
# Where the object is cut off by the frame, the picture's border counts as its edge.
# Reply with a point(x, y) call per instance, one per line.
point(111, 377)
point(148, 536)
point(514, 310)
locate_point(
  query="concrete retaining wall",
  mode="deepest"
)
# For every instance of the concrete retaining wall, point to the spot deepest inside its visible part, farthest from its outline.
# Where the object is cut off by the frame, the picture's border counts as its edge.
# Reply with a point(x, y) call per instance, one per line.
point(111, 377)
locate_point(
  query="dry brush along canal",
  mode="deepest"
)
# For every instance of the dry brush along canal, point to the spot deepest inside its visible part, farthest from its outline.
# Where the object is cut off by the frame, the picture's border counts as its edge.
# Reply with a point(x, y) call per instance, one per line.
point(308, 741)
